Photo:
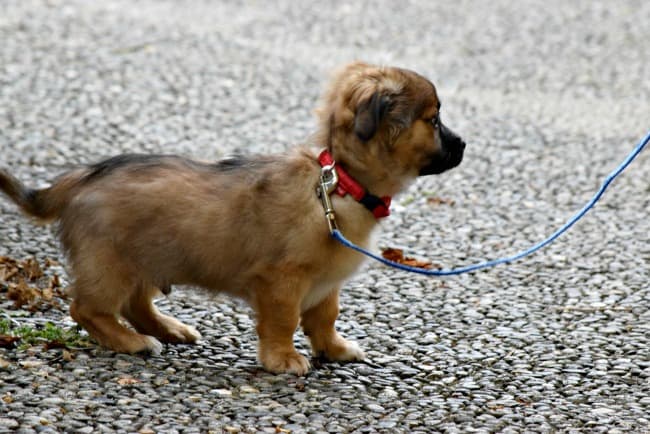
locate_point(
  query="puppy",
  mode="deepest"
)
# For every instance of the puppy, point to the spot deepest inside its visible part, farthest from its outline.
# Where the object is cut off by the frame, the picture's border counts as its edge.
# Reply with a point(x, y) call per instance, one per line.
point(252, 227)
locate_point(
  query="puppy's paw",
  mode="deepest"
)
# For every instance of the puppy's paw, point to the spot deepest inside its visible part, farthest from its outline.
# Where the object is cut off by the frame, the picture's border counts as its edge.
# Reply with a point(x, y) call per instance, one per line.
point(191, 334)
point(155, 347)
point(182, 334)
point(171, 330)
point(285, 363)
point(340, 350)
point(148, 345)
point(349, 351)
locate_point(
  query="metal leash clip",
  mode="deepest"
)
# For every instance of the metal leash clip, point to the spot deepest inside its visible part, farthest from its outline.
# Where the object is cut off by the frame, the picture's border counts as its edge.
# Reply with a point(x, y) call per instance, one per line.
point(328, 182)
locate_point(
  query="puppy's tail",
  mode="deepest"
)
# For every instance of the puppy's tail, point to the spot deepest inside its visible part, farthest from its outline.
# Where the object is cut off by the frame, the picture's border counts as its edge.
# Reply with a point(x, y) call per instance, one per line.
point(45, 204)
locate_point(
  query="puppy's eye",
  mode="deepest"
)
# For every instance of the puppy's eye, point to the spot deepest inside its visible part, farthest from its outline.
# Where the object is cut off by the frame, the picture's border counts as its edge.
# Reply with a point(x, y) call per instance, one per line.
point(435, 121)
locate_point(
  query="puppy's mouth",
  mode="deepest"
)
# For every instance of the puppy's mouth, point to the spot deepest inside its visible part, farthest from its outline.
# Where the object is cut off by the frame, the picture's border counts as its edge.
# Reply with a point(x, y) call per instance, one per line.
point(453, 148)
point(441, 163)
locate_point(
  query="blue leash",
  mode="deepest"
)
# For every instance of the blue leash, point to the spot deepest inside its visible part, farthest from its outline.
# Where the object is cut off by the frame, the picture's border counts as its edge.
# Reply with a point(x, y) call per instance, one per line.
point(336, 234)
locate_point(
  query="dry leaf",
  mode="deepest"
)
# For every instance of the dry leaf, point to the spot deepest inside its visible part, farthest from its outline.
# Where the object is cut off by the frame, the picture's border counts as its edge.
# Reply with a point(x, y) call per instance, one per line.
point(31, 363)
point(4, 364)
point(41, 291)
point(417, 263)
point(55, 282)
point(7, 341)
point(51, 263)
point(21, 293)
point(440, 201)
point(67, 355)
point(47, 294)
point(32, 269)
point(126, 381)
point(8, 268)
point(8, 273)
point(397, 255)
point(50, 345)
point(5, 260)
point(7, 398)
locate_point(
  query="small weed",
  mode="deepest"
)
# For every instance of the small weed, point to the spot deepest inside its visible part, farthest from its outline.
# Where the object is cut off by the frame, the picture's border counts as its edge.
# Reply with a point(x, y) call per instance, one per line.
point(50, 335)
point(406, 201)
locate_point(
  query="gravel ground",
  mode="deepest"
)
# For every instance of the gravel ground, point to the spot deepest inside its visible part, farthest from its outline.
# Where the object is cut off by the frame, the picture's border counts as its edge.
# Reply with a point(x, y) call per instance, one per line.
point(550, 95)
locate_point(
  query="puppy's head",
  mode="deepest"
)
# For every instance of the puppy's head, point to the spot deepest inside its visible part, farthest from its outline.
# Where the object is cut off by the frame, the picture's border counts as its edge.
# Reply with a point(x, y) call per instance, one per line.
point(384, 125)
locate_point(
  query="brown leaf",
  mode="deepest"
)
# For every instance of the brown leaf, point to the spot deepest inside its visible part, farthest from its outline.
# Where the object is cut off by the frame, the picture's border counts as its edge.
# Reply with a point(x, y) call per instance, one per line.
point(9, 274)
point(67, 356)
point(32, 269)
point(440, 201)
point(54, 344)
point(127, 381)
point(51, 263)
point(5, 260)
point(7, 398)
point(21, 293)
point(47, 294)
point(417, 263)
point(397, 255)
point(54, 289)
point(55, 282)
point(26, 284)
point(29, 364)
point(7, 341)
point(8, 268)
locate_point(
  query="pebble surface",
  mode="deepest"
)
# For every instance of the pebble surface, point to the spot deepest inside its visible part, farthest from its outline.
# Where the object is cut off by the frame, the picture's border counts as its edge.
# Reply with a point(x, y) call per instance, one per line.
point(549, 95)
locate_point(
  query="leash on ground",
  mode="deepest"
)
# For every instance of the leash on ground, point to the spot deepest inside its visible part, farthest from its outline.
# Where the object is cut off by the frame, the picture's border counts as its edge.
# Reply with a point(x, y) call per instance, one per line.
point(336, 233)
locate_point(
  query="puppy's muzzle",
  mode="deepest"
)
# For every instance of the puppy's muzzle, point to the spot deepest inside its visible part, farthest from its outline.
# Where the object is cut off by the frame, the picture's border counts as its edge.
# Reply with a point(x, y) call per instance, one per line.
point(450, 155)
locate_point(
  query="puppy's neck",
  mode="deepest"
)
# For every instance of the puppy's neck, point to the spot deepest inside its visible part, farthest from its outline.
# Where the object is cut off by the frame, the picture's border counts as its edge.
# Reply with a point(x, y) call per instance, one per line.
point(375, 175)
point(374, 178)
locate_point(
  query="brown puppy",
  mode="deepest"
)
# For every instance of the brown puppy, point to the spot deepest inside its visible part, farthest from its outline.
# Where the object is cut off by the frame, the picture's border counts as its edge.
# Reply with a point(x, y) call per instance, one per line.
point(252, 227)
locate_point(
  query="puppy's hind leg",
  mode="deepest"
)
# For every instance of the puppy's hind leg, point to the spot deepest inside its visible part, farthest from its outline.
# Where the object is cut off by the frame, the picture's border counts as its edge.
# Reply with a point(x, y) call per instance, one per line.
point(140, 311)
point(105, 328)
point(98, 296)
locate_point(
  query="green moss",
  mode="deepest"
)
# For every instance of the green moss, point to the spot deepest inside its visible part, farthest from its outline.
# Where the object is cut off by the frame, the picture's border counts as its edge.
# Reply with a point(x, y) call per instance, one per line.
point(5, 326)
point(407, 200)
point(48, 334)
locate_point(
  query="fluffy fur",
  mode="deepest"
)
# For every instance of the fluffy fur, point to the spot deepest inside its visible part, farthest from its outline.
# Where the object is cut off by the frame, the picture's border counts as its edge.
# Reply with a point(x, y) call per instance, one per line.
point(252, 227)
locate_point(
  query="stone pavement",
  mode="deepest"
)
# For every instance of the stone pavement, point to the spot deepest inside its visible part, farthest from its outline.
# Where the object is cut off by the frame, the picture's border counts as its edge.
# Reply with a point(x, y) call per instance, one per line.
point(550, 95)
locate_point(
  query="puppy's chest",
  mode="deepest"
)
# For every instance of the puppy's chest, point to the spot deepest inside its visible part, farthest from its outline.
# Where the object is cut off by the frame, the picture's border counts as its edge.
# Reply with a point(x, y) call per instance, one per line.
point(336, 262)
point(332, 276)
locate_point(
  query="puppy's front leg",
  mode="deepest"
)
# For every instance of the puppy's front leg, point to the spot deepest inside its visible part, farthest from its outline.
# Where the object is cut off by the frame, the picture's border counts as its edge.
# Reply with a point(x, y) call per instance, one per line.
point(278, 314)
point(318, 324)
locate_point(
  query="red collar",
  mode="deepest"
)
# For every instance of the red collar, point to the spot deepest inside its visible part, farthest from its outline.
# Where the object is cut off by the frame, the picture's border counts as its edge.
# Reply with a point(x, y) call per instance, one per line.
point(347, 185)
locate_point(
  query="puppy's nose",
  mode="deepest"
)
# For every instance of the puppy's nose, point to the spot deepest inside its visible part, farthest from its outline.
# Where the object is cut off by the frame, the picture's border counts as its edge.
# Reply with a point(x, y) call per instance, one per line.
point(451, 140)
point(457, 144)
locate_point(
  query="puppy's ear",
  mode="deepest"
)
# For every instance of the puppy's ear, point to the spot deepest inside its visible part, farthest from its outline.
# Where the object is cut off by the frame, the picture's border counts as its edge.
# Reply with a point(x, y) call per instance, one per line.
point(369, 115)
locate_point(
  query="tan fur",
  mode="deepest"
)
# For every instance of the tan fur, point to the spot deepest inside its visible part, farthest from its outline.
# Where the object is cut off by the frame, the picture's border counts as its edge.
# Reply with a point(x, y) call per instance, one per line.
point(257, 232)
